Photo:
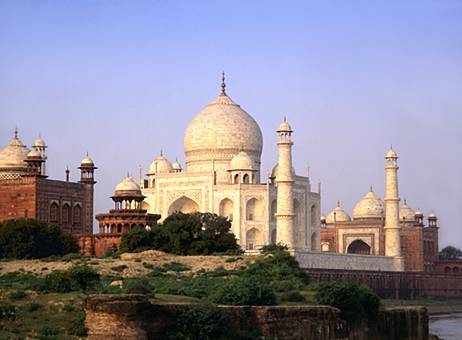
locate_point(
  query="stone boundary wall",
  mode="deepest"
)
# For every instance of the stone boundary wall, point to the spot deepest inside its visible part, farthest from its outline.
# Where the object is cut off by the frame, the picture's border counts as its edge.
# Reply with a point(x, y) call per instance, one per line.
point(395, 285)
point(134, 317)
point(345, 261)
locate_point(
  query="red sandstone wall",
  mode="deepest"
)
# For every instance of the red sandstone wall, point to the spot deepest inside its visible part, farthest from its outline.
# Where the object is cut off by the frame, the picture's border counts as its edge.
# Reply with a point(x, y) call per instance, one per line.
point(412, 248)
point(17, 200)
point(99, 245)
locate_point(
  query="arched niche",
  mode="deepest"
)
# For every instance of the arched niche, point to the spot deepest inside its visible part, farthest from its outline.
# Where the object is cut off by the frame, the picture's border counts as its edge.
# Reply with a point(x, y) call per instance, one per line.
point(226, 208)
point(253, 239)
point(253, 210)
point(183, 204)
point(313, 215)
point(359, 247)
point(314, 241)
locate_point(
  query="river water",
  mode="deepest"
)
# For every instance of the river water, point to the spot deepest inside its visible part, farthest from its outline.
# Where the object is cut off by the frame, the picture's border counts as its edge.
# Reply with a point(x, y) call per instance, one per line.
point(447, 326)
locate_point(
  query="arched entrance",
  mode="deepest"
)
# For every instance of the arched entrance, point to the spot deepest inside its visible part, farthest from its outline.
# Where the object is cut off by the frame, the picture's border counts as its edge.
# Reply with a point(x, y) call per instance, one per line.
point(252, 239)
point(226, 208)
point(184, 205)
point(359, 247)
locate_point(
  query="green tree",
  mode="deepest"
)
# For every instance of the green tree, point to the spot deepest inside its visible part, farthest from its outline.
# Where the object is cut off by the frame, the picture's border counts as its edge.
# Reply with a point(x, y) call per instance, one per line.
point(450, 253)
point(28, 238)
point(138, 239)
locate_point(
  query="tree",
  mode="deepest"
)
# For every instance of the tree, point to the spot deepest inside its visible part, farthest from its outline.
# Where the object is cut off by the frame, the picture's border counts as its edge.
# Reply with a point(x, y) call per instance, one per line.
point(28, 238)
point(450, 253)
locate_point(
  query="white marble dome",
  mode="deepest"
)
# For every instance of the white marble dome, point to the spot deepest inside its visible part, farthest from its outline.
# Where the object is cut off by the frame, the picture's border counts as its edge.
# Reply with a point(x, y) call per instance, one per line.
point(127, 187)
point(160, 165)
point(13, 155)
point(406, 213)
point(218, 132)
point(275, 171)
point(34, 154)
point(241, 161)
point(371, 206)
point(337, 215)
point(87, 161)
point(39, 142)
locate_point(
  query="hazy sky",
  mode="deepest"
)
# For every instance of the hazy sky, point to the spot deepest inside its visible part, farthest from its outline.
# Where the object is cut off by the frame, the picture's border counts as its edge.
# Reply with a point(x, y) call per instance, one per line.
point(122, 79)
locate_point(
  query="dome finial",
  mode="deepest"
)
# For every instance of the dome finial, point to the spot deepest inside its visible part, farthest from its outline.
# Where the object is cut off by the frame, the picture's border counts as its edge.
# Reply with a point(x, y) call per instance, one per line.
point(338, 203)
point(16, 132)
point(162, 152)
point(371, 189)
point(223, 84)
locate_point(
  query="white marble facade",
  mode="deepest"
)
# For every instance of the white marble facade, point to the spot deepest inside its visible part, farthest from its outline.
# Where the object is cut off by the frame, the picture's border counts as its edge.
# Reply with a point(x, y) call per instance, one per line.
point(223, 146)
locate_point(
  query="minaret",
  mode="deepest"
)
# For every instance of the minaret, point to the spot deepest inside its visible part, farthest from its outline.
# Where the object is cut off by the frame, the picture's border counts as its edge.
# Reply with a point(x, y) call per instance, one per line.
point(87, 177)
point(41, 147)
point(392, 227)
point(284, 181)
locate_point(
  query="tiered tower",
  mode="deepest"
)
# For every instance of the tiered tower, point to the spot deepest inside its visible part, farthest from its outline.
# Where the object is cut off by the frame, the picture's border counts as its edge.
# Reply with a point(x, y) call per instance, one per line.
point(392, 226)
point(87, 172)
point(285, 182)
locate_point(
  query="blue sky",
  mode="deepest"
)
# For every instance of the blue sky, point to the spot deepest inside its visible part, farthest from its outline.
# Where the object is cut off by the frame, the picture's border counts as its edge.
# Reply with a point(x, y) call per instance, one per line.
point(122, 79)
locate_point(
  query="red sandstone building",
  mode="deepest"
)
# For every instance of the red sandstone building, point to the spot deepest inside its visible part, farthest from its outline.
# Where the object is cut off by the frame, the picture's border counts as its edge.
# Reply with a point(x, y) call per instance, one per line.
point(126, 215)
point(26, 192)
point(364, 233)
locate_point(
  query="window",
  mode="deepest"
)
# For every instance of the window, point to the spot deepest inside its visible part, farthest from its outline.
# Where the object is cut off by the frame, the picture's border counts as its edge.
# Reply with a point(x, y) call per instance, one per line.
point(54, 213)
point(66, 214)
point(77, 215)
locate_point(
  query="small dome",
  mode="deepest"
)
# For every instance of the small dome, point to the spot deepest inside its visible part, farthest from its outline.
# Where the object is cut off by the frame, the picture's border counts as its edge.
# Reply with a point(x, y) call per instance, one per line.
point(391, 154)
point(87, 161)
point(176, 166)
point(418, 213)
point(128, 187)
point(323, 218)
point(160, 165)
point(13, 155)
point(284, 127)
point(274, 172)
point(241, 161)
point(337, 215)
point(39, 143)
point(371, 206)
point(432, 216)
point(34, 154)
point(406, 213)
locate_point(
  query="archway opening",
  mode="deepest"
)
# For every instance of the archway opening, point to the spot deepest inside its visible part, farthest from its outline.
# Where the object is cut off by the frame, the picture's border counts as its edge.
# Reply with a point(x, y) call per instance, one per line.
point(359, 247)
point(253, 210)
point(252, 239)
point(184, 205)
point(226, 208)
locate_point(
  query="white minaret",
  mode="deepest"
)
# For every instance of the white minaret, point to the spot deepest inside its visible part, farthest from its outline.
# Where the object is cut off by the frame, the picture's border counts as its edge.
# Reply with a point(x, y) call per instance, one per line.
point(41, 147)
point(392, 227)
point(284, 181)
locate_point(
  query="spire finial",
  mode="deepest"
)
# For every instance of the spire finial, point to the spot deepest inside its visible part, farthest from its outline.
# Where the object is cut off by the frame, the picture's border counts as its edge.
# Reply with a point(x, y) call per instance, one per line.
point(128, 174)
point(223, 84)
point(162, 152)
point(338, 204)
point(285, 119)
point(16, 132)
point(405, 201)
point(87, 153)
point(371, 189)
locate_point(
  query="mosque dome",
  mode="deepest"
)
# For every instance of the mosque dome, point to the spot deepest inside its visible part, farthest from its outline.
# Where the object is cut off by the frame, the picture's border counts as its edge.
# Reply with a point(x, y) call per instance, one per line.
point(13, 155)
point(406, 213)
point(128, 187)
point(337, 215)
point(218, 132)
point(371, 206)
point(87, 161)
point(241, 161)
point(34, 154)
point(39, 142)
point(284, 127)
point(160, 165)
point(391, 154)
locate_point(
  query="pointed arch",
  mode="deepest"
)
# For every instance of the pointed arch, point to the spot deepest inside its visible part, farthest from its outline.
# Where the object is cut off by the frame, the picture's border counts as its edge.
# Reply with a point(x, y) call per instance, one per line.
point(253, 210)
point(359, 247)
point(226, 208)
point(183, 204)
point(253, 239)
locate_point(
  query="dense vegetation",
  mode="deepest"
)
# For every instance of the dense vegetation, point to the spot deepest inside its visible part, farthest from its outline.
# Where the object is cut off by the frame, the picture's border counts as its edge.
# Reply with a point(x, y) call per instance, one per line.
point(185, 234)
point(27, 238)
point(450, 253)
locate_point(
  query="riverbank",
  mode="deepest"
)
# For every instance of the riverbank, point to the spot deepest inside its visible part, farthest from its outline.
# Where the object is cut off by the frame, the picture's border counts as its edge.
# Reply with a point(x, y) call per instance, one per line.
point(434, 305)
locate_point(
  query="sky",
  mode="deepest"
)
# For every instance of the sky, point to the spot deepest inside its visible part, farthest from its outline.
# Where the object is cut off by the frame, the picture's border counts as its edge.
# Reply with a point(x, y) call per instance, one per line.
point(122, 80)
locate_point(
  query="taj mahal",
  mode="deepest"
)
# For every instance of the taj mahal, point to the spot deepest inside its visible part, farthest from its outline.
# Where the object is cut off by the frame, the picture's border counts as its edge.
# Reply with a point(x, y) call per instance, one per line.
point(223, 147)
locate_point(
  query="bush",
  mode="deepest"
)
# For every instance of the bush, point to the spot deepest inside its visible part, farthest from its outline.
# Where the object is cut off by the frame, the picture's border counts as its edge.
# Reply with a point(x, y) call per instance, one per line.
point(47, 333)
point(185, 234)
point(119, 268)
point(33, 306)
point(17, 295)
point(176, 267)
point(57, 281)
point(355, 303)
point(243, 291)
point(76, 278)
point(292, 296)
point(203, 322)
point(7, 312)
point(27, 238)
point(78, 325)
point(136, 286)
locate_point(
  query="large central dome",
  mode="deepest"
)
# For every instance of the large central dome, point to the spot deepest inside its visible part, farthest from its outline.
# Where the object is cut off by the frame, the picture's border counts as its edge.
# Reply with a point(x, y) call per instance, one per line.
point(219, 132)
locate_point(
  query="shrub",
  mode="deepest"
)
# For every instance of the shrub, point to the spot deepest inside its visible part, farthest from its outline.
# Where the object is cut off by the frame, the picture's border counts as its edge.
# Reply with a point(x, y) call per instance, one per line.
point(47, 333)
point(82, 278)
point(204, 322)
point(243, 291)
point(355, 302)
point(7, 312)
point(17, 295)
point(57, 281)
point(119, 268)
point(292, 296)
point(19, 280)
point(78, 325)
point(136, 286)
point(27, 238)
point(176, 267)
point(273, 247)
point(33, 306)
point(69, 307)
point(137, 239)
